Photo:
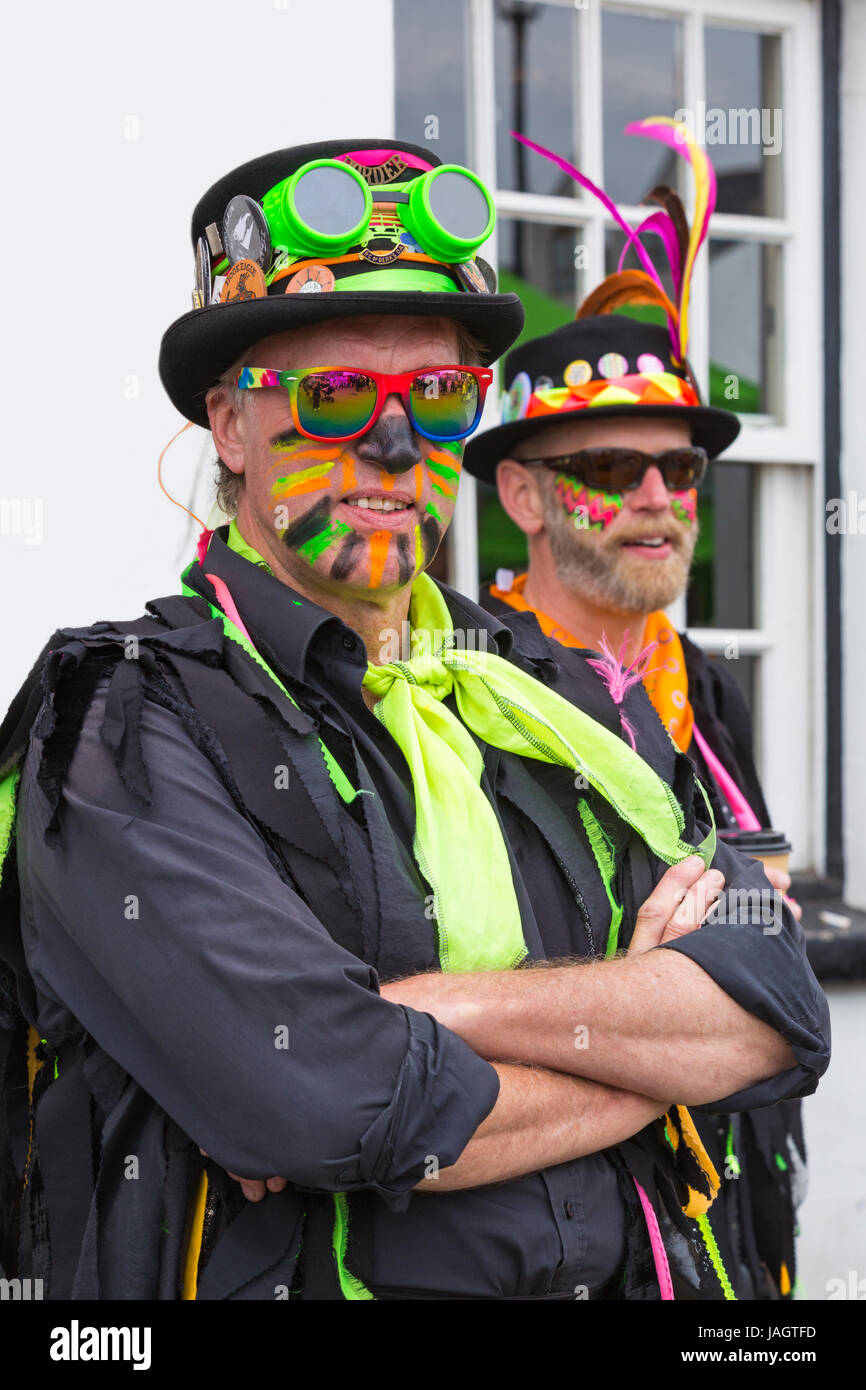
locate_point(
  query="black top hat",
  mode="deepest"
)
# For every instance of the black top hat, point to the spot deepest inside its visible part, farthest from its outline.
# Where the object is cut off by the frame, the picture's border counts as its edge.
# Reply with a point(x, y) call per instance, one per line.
point(201, 344)
point(592, 368)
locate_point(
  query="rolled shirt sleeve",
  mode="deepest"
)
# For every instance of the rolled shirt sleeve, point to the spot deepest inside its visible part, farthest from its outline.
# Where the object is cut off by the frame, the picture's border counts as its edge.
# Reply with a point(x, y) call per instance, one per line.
point(754, 949)
point(167, 932)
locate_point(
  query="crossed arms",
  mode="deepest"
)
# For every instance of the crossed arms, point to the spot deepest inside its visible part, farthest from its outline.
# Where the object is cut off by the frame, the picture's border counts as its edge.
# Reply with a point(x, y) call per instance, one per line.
point(588, 1055)
point(193, 995)
point(619, 1041)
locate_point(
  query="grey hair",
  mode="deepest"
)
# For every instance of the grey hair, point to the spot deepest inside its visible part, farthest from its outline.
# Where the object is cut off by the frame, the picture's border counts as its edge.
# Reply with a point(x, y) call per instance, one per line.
point(229, 485)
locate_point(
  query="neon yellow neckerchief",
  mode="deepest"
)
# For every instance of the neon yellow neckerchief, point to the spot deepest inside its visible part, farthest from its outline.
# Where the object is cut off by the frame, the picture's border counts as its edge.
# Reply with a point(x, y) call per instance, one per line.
point(458, 843)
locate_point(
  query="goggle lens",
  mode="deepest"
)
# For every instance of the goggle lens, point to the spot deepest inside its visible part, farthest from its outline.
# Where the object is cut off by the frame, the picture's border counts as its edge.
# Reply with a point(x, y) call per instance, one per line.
point(459, 206)
point(330, 201)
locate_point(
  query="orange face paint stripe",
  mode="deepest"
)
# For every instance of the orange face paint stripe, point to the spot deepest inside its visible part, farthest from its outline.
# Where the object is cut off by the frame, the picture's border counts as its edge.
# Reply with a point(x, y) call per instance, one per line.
point(386, 480)
point(293, 483)
point(306, 485)
point(307, 448)
point(419, 480)
point(379, 542)
point(348, 473)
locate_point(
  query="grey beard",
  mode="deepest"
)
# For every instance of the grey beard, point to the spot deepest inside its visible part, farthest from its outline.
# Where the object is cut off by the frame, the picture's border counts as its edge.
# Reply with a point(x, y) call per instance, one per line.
point(603, 574)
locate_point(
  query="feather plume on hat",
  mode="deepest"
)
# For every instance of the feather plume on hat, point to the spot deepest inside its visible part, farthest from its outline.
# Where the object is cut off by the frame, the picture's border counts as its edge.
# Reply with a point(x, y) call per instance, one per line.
point(680, 242)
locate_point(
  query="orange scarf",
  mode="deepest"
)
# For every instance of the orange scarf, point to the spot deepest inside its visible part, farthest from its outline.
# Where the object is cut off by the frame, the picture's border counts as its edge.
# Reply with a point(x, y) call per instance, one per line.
point(668, 687)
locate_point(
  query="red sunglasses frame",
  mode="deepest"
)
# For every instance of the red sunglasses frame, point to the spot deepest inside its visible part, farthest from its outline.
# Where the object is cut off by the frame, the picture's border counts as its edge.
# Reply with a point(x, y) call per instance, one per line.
point(386, 383)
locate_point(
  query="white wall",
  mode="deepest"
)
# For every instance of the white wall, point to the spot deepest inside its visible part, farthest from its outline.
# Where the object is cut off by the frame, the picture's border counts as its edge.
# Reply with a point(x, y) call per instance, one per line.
point(853, 359)
point(116, 117)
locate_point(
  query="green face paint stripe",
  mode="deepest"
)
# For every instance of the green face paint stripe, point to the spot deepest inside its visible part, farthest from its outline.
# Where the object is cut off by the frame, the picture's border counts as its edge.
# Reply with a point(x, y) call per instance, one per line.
point(335, 772)
point(433, 512)
point(350, 1285)
point(451, 473)
point(318, 470)
point(8, 791)
point(452, 446)
point(316, 545)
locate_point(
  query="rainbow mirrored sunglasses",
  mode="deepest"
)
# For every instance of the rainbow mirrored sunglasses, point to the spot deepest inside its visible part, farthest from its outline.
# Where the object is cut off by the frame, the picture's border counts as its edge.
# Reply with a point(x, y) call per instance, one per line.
point(339, 403)
point(326, 215)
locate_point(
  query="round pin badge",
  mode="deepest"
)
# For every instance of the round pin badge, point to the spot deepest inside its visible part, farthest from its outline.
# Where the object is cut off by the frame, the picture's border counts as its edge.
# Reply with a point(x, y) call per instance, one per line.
point(577, 373)
point(470, 276)
point(245, 233)
point(201, 296)
point(517, 400)
point(313, 279)
point(245, 280)
point(542, 383)
point(612, 364)
point(648, 362)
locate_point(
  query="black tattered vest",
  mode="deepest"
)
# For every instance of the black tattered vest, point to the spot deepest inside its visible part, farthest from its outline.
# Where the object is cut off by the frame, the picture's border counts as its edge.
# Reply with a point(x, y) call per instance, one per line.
point(323, 839)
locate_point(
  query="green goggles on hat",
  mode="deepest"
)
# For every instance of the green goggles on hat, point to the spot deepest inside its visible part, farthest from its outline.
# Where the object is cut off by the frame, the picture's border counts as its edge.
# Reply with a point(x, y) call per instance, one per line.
point(325, 208)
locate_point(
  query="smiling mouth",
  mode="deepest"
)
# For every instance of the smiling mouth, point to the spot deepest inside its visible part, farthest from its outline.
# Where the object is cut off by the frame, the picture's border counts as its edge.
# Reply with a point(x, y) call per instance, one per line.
point(650, 545)
point(380, 513)
point(378, 504)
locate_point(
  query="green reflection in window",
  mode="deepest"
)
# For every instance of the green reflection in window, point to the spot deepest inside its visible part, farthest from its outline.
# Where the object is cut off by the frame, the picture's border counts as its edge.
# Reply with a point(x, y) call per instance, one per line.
point(745, 340)
point(501, 544)
point(721, 585)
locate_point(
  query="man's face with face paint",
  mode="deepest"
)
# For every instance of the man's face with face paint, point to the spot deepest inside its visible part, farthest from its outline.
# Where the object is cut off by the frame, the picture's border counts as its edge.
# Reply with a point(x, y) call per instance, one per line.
point(631, 550)
point(361, 518)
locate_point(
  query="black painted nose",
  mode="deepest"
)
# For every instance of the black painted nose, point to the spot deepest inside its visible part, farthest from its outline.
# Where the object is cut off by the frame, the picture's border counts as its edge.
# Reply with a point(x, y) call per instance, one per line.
point(390, 443)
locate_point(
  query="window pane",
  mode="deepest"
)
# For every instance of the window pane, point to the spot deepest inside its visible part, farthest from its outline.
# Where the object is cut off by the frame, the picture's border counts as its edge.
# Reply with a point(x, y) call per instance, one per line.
point(743, 123)
point(744, 670)
point(542, 262)
point(721, 588)
point(745, 331)
point(614, 241)
point(430, 62)
point(536, 93)
point(641, 76)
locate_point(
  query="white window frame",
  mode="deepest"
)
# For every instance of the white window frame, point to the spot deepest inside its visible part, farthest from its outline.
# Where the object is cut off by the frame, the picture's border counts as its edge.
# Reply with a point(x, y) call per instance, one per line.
point(788, 456)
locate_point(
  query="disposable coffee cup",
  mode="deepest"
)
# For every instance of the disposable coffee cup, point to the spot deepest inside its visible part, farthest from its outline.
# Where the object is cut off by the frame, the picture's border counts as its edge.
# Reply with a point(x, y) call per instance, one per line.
point(770, 846)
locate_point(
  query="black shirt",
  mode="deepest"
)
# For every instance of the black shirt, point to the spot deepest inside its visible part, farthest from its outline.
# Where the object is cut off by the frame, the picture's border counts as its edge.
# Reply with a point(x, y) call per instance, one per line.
point(168, 934)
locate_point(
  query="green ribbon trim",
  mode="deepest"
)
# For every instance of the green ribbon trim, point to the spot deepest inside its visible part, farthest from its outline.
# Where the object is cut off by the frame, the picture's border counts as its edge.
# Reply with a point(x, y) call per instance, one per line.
point(606, 864)
point(8, 792)
point(335, 772)
point(714, 1253)
point(351, 1286)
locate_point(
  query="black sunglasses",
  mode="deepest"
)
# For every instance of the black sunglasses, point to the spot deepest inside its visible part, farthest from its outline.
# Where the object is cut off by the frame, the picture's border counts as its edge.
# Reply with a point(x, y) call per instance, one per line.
point(621, 470)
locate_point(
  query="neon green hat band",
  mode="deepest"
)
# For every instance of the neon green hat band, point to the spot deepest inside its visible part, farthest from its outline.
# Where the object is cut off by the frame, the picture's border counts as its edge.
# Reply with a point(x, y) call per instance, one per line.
point(406, 280)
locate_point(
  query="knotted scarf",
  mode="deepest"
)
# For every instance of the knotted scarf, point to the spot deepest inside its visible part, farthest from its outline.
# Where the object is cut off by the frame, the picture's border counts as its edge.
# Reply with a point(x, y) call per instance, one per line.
point(458, 842)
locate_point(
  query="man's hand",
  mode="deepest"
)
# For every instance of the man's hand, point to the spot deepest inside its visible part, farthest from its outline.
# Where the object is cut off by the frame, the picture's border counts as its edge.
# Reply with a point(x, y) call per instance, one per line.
point(781, 881)
point(254, 1189)
point(678, 904)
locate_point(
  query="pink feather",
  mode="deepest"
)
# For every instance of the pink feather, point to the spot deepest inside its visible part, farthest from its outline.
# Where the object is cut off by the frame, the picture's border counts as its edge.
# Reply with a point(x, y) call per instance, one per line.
point(620, 678)
point(602, 197)
point(660, 223)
